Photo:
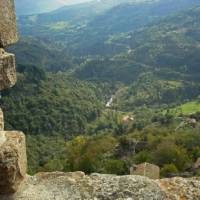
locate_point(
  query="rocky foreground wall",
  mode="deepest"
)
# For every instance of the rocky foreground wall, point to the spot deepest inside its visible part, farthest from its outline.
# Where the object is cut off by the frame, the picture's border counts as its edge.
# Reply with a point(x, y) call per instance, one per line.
point(8, 36)
point(12, 144)
point(78, 186)
point(8, 32)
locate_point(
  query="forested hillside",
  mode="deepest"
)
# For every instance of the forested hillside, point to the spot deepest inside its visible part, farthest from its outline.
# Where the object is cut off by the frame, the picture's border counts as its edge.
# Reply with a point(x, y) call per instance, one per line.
point(50, 103)
point(85, 29)
point(103, 85)
point(41, 53)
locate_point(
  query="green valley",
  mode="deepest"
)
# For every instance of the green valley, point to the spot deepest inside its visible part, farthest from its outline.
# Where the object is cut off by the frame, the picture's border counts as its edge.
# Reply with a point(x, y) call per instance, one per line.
point(103, 85)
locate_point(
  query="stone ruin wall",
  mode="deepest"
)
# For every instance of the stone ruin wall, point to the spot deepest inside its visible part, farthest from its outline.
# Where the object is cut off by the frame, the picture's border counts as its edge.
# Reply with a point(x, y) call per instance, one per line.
point(8, 36)
point(12, 143)
point(146, 169)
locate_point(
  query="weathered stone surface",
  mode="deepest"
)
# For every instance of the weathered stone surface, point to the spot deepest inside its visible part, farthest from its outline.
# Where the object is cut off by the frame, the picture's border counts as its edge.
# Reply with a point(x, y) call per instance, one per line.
point(1, 120)
point(13, 161)
point(146, 169)
point(8, 33)
point(180, 188)
point(77, 186)
point(7, 70)
point(71, 186)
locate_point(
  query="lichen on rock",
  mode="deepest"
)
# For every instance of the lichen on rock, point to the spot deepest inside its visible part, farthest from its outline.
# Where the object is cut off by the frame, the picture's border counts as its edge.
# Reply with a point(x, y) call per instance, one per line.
point(77, 186)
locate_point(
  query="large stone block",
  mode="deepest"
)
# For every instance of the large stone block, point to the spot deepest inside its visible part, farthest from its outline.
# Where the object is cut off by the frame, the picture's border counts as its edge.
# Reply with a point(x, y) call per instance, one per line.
point(7, 70)
point(146, 169)
point(13, 160)
point(8, 32)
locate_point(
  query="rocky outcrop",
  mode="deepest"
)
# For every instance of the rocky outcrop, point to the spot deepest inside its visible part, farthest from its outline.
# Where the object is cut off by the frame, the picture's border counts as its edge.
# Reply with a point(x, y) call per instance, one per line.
point(12, 144)
point(7, 70)
point(72, 186)
point(12, 160)
point(8, 33)
point(180, 188)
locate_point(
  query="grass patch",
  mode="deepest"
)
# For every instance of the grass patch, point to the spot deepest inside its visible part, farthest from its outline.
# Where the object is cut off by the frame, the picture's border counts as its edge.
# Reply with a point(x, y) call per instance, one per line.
point(186, 108)
point(58, 26)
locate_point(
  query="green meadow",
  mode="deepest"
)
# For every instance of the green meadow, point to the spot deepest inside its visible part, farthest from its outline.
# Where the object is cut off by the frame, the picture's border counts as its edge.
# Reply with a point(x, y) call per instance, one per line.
point(187, 108)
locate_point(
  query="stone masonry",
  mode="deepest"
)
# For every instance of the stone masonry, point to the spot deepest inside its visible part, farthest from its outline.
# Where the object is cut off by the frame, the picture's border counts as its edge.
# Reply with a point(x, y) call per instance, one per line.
point(146, 169)
point(13, 161)
point(8, 33)
point(7, 70)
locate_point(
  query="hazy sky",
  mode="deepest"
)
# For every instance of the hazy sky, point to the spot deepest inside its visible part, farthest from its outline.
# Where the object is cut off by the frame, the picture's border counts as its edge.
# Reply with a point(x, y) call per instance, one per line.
point(72, 1)
point(39, 6)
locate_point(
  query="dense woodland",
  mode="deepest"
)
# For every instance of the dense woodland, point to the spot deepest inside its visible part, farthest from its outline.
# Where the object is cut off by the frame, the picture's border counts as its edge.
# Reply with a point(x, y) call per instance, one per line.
point(143, 58)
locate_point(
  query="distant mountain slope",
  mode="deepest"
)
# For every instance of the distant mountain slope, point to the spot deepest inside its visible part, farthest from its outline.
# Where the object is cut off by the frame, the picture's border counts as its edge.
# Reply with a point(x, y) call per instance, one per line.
point(120, 19)
point(32, 51)
point(96, 22)
point(128, 16)
point(104, 9)
point(78, 9)
point(170, 49)
point(159, 66)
